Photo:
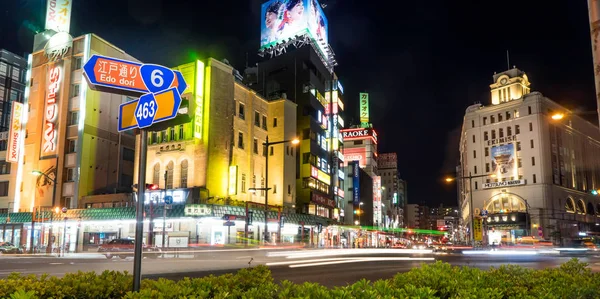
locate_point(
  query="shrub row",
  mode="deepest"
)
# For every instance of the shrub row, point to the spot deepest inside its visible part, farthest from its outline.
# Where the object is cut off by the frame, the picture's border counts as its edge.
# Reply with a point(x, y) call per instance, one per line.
point(440, 280)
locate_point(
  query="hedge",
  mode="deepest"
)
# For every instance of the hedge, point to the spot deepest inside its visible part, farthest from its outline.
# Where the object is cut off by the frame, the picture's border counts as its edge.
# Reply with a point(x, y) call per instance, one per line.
point(439, 280)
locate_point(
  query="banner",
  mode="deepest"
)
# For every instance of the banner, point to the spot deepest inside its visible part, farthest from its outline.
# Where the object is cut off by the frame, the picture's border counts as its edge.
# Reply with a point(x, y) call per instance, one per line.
point(15, 134)
point(503, 161)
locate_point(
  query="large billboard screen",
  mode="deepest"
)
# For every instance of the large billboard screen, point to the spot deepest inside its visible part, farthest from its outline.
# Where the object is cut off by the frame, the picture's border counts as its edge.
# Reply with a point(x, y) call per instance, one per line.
point(503, 160)
point(284, 19)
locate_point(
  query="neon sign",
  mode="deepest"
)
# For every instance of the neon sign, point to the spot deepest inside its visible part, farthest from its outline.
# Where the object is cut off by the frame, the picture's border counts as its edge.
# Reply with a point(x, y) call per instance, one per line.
point(51, 112)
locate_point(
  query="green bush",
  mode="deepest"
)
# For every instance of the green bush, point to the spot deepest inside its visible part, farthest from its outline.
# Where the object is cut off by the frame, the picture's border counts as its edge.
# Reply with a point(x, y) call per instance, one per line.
point(439, 280)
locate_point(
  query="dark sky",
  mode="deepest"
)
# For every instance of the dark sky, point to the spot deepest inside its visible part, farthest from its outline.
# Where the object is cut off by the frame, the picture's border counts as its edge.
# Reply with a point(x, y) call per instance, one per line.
point(423, 62)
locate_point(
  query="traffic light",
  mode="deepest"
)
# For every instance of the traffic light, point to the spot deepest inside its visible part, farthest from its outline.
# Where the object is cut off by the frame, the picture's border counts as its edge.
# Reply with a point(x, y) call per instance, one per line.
point(185, 114)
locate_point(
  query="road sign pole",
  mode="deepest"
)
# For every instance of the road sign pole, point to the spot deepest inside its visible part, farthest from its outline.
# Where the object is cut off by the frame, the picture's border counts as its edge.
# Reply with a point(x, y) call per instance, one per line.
point(139, 215)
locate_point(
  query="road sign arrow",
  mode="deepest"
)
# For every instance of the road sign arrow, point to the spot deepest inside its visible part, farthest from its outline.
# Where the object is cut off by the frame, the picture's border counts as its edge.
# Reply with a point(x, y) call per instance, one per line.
point(179, 82)
point(114, 75)
point(127, 116)
point(168, 103)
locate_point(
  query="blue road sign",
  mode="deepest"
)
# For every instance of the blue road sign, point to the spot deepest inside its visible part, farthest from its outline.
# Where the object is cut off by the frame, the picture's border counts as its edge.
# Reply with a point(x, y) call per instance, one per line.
point(168, 199)
point(156, 77)
point(145, 110)
point(180, 84)
point(116, 74)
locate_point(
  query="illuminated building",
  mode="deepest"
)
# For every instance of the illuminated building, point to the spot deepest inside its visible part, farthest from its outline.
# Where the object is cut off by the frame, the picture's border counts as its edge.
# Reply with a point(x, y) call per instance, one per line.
point(393, 193)
point(539, 172)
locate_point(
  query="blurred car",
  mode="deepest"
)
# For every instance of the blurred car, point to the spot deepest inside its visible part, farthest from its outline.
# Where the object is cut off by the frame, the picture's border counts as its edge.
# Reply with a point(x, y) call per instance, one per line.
point(9, 248)
point(125, 247)
point(418, 246)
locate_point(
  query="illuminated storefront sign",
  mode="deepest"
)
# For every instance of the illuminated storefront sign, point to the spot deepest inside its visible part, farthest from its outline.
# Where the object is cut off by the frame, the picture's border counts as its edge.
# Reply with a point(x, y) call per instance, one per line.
point(364, 107)
point(58, 15)
point(198, 210)
point(50, 130)
point(15, 134)
point(503, 184)
point(322, 200)
point(199, 101)
point(502, 140)
point(233, 171)
point(358, 154)
point(320, 175)
point(356, 134)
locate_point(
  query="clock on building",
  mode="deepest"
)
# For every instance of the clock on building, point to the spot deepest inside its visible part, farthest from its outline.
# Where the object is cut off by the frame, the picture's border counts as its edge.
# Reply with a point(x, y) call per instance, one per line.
point(503, 81)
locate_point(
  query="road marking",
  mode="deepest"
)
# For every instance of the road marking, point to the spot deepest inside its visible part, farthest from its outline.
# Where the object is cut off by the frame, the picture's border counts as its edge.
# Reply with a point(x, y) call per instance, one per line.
point(308, 261)
point(358, 261)
point(244, 257)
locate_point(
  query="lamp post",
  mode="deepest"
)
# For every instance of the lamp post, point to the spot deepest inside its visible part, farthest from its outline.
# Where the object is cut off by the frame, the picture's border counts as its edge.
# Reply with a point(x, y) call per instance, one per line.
point(471, 208)
point(266, 145)
point(38, 173)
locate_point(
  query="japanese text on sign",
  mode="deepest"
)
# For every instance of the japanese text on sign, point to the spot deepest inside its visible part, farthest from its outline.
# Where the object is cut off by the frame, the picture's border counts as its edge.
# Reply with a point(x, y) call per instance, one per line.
point(364, 107)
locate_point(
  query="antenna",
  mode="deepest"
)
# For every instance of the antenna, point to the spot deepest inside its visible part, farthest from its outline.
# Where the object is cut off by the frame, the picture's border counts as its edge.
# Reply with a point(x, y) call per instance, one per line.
point(507, 60)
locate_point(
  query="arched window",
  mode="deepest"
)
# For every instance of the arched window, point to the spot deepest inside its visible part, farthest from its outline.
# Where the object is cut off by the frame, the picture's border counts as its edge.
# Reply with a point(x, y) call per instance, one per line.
point(156, 174)
point(184, 174)
point(580, 206)
point(170, 167)
point(505, 203)
point(590, 208)
point(570, 205)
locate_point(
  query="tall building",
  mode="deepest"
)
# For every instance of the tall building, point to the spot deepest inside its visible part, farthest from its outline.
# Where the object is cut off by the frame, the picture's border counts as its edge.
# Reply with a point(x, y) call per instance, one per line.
point(538, 165)
point(305, 76)
point(393, 190)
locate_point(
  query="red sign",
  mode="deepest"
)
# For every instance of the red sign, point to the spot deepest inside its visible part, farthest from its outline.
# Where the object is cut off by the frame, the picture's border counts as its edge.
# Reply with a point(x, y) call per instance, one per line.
point(359, 133)
point(322, 200)
point(51, 112)
point(356, 154)
point(119, 73)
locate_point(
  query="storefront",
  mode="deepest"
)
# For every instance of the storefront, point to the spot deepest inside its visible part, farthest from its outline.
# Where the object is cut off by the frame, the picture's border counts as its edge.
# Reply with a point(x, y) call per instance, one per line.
point(505, 228)
point(11, 232)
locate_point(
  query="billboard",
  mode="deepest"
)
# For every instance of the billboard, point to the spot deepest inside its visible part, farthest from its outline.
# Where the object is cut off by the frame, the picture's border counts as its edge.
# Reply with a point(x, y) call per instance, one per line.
point(284, 19)
point(58, 15)
point(15, 134)
point(503, 160)
point(51, 112)
point(364, 107)
point(359, 133)
point(387, 160)
point(358, 154)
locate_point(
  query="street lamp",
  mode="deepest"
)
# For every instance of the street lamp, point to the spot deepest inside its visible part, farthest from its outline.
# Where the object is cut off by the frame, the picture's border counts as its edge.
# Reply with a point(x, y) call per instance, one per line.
point(266, 145)
point(472, 210)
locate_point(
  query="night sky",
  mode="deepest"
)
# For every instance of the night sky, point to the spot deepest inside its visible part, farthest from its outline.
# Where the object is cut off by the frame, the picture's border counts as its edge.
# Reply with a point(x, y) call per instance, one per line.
point(423, 62)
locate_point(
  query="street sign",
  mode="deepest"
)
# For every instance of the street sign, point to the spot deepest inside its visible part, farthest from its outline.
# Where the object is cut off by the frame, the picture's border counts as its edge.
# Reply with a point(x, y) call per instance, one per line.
point(149, 109)
point(229, 217)
point(127, 77)
point(228, 223)
point(169, 199)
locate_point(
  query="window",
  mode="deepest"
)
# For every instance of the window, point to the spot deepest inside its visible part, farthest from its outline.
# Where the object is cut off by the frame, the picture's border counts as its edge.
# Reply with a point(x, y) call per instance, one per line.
point(289, 189)
point(500, 132)
point(275, 189)
point(153, 138)
point(274, 122)
point(508, 131)
point(493, 134)
point(181, 134)
point(492, 119)
point(519, 163)
point(255, 146)
point(518, 145)
point(170, 175)
point(499, 117)
point(487, 151)
point(78, 63)
point(473, 138)
point(243, 184)
point(4, 167)
point(306, 134)
point(531, 141)
point(534, 179)
point(264, 122)
point(532, 161)
point(507, 115)
point(487, 167)
point(485, 136)
point(241, 140)
point(15, 74)
point(262, 185)
point(472, 124)
point(287, 150)
point(74, 90)
point(476, 187)
point(3, 68)
point(484, 121)
point(305, 158)
point(358, 142)
point(516, 113)
point(184, 174)
point(156, 174)
point(172, 133)
point(271, 151)
point(256, 119)
point(71, 145)
point(69, 174)
point(128, 154)
point(474, 154)
point(73, 118)
point(517, 129)
point(475, 169)
point(530, 127)
point(3, 188)
point(529, 109)
point(264, 150)
point(241, 111)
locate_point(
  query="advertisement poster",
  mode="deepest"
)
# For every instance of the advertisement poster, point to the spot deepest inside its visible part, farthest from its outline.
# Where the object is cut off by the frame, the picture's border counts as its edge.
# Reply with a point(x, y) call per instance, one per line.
point(503, 160)
point(284, 19)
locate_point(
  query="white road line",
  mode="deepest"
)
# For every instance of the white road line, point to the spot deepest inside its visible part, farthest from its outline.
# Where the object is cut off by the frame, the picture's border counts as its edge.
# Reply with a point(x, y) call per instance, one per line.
point(308, 261)
point(358, 261)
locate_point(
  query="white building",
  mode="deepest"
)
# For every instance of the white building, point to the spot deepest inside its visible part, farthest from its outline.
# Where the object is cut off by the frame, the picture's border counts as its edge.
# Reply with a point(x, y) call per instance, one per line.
point(533, 172)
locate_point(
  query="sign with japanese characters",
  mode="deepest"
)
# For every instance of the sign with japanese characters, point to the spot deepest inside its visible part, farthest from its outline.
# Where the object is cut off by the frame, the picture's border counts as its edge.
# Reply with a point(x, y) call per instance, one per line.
point(58, 15)
point(50, 129)
point(15, 134)
point(364, 107)
point(197, 210)
point(159, 88)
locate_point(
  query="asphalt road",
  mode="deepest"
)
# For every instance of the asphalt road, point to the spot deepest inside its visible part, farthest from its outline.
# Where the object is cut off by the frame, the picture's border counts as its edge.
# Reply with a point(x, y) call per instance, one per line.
point(328, 267)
